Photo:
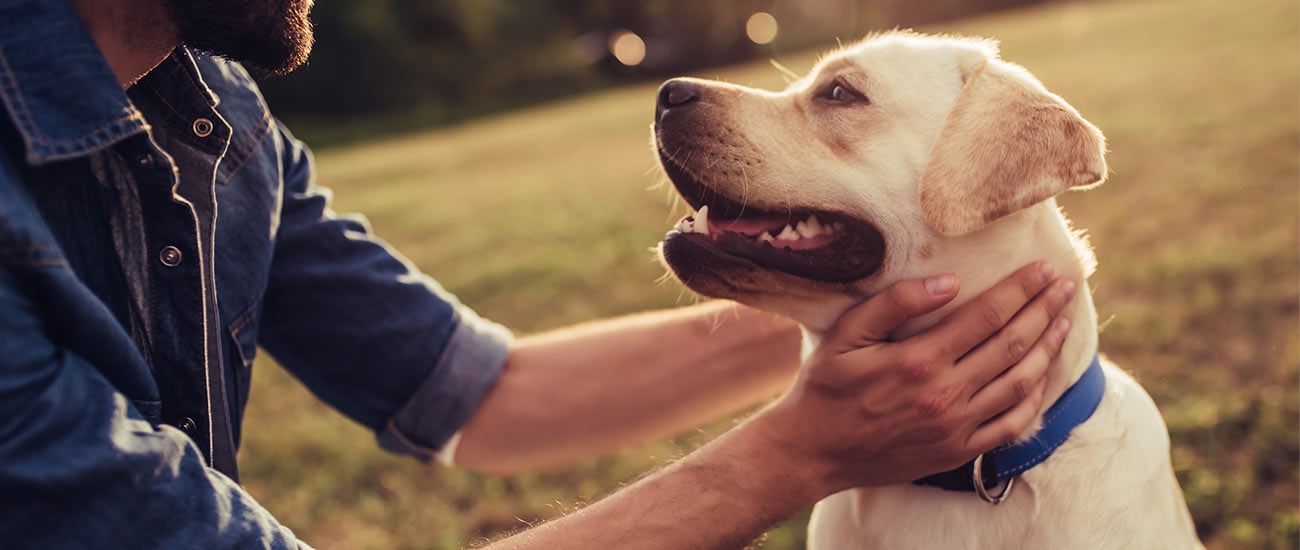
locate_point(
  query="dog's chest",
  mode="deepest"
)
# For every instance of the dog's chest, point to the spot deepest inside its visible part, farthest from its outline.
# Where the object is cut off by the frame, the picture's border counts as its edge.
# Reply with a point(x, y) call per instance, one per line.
point(1109, 486)
point(915, 517)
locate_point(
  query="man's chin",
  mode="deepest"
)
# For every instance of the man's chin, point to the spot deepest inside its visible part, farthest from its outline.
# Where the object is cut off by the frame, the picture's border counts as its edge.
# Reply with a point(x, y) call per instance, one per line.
point(270, 36)
point(269, 61)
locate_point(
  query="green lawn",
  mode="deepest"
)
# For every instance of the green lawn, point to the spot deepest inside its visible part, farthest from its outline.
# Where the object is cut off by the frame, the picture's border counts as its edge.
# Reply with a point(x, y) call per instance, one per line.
point(544, 217)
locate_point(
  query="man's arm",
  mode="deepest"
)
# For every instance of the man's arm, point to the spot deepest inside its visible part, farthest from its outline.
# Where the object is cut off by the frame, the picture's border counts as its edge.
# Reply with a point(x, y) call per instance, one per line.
point(721, 496)
point(853, 418)
point(593, 389)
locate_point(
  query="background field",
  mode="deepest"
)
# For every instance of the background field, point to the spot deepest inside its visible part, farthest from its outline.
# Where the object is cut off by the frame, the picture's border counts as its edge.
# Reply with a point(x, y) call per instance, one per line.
point(544, 217)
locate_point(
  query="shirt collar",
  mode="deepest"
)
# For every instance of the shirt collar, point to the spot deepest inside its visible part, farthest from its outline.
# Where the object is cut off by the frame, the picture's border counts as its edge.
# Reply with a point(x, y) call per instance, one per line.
point(56, 85)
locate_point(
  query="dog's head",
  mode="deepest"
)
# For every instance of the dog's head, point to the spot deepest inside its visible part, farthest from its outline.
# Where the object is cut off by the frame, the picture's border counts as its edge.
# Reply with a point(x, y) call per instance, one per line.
point(814, 198)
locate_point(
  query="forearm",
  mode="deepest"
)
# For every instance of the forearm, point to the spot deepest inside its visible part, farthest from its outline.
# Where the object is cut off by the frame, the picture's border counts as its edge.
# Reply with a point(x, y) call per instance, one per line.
point(722, 496)
point(593, 389)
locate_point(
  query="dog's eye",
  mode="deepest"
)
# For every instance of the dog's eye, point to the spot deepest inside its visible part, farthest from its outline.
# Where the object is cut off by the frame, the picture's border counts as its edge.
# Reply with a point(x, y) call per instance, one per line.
point(840, 93)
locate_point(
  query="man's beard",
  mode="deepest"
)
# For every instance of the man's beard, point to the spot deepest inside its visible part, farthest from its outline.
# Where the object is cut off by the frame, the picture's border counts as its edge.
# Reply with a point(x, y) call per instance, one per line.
point(272, 36)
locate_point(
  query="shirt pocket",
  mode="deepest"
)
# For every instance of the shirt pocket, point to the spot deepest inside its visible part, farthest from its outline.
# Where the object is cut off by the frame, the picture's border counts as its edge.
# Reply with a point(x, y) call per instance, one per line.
point(243, 339)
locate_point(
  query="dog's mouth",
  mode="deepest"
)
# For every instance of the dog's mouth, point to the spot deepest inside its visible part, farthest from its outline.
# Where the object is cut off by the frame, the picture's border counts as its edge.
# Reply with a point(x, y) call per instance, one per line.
point(811, 243)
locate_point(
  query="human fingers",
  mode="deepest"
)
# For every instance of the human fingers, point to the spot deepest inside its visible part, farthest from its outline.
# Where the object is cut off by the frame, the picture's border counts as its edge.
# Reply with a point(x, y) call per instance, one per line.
point(1006, 427)
point(872, 321)
point(1018, 382)
point(979, 318)
point(1009, 345)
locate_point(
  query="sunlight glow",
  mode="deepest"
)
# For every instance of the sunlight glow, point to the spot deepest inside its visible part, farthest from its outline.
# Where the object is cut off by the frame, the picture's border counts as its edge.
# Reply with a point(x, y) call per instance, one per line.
point(627, 47)
point(761, 27)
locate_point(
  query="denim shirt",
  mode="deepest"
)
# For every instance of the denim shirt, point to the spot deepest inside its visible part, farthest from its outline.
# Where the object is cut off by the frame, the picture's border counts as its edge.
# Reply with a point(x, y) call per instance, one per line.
point(150, 241)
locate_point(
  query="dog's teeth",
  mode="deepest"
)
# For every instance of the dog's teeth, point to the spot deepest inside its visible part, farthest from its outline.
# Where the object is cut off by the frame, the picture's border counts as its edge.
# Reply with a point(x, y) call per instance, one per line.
point(766, 237)
point(702, 220)
point(814, 225)
point(788, 234)
point(805, 230)
point(684, 225)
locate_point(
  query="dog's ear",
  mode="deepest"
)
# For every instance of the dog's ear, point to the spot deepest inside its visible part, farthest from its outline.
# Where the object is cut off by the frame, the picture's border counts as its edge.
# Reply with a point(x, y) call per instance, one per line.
point(1007, 144)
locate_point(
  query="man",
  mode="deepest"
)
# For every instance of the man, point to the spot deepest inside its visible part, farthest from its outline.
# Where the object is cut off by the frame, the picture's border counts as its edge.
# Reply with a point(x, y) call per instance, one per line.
point(157, 225)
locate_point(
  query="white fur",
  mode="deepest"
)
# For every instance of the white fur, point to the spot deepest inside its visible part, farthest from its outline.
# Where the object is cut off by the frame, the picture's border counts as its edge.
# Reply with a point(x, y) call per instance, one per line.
point(1111, 485)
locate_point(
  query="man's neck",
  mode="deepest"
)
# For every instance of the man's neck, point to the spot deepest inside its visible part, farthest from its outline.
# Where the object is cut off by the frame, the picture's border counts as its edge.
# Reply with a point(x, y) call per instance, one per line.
point(133, 35)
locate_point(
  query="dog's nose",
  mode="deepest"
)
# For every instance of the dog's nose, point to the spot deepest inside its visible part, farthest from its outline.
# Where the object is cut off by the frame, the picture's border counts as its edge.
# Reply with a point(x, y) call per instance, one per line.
point(676, 93)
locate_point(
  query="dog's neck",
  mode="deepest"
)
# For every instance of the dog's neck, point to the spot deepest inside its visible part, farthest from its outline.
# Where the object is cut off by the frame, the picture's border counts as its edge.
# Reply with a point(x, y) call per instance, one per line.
point(985, 257)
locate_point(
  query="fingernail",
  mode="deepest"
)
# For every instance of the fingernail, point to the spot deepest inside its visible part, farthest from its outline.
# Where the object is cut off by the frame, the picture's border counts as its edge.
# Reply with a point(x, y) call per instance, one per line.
point(1045, 272)
point(940, 284)
point(1061, 327)
point(1067, 289)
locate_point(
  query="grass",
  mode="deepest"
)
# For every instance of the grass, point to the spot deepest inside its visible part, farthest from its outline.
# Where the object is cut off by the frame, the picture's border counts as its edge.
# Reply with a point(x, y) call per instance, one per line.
point(543, 217)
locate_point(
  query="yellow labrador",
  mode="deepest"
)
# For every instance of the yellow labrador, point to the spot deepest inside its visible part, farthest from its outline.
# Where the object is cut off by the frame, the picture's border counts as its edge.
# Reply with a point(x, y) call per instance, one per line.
point(900, 157)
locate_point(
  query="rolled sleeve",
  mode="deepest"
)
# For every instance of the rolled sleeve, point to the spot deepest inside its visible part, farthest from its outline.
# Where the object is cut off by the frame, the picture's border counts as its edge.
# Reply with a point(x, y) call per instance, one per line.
point(470, 363)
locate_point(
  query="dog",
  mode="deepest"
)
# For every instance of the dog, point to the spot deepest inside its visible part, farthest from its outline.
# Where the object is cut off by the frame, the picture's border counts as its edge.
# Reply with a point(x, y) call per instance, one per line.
point(899, 157)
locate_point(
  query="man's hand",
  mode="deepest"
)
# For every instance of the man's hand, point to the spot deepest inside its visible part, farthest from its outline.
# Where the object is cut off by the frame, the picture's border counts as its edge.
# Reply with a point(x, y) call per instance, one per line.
point(867, 411)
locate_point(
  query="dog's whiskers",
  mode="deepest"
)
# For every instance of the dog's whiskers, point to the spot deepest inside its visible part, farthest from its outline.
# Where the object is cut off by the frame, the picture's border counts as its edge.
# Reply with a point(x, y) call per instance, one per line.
point(744, 189)
point(790, 76)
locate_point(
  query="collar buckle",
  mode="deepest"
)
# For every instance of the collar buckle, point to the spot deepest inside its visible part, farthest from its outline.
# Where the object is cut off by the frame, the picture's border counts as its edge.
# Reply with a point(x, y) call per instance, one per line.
point(977, 479)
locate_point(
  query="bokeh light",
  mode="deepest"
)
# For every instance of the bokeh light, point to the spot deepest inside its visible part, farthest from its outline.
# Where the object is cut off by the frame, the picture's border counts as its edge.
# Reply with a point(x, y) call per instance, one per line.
point(761, 27)
point(627, 47)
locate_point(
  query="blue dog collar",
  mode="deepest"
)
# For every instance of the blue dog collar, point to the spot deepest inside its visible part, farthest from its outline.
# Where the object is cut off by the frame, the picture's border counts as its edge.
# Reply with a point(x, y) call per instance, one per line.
point(1003, 464)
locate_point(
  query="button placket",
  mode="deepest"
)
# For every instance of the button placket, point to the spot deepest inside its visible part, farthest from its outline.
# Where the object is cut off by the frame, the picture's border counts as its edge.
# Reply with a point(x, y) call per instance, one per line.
point(179, 231)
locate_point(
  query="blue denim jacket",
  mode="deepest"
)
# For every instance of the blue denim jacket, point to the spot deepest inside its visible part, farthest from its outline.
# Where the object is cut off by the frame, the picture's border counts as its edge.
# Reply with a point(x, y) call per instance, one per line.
point(150, 241)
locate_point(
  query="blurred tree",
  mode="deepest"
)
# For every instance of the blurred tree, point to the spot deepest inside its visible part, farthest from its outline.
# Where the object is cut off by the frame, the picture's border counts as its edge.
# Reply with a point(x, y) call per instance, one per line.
point(471, 56)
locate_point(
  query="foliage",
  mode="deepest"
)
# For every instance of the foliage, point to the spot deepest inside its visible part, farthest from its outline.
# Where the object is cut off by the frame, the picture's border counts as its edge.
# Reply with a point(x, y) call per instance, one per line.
point(542, 217)
point(409, 63)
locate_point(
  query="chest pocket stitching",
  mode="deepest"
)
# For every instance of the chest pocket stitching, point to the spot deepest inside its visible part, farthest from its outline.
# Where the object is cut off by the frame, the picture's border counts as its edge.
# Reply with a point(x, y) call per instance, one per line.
point(236, 160)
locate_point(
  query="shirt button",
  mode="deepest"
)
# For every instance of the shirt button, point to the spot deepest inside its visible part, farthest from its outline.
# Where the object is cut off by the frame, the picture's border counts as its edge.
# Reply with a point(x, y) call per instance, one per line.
point(187, 425)
point(145, 160)
point(202, 127)
point(170, 256)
